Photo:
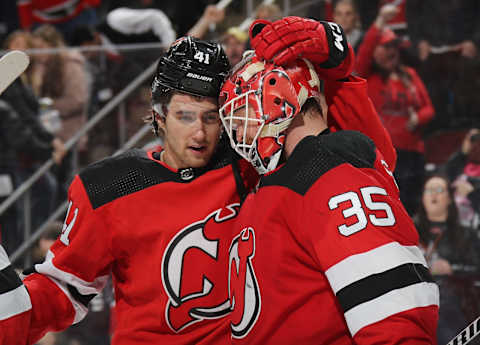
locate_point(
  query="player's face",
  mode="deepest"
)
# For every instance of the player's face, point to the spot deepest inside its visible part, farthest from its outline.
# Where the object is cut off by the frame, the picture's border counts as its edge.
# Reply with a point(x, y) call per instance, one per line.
point(435, 197)
point(246, 125)
point(192, 129)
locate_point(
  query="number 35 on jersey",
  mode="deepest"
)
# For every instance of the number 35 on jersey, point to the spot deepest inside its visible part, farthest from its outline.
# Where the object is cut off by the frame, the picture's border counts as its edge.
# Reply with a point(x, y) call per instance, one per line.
point(358, 214)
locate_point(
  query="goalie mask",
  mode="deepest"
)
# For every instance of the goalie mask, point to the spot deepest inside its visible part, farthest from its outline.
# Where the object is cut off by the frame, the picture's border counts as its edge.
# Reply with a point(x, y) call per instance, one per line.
point(259, 101)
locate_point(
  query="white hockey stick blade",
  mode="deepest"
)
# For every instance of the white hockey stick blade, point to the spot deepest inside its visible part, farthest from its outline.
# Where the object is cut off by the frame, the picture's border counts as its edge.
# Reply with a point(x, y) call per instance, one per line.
point(12, 65)
point(467, 335)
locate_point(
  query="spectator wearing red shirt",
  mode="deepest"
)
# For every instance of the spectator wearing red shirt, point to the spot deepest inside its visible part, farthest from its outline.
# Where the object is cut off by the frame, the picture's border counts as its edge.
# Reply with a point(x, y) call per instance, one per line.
point(401, 100)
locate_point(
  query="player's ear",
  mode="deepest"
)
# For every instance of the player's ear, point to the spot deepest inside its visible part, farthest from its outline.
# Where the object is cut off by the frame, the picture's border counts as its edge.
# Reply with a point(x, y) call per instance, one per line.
point(158, 122)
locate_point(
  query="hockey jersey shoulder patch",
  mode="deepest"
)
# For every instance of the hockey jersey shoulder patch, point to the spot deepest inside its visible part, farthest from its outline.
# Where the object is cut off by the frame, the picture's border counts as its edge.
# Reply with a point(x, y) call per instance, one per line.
point(316, 155)
point(118, 176)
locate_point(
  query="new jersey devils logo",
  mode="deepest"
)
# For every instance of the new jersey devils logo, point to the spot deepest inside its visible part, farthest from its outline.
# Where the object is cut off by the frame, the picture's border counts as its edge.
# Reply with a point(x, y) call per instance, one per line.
point(193, 265)
point(242, 284)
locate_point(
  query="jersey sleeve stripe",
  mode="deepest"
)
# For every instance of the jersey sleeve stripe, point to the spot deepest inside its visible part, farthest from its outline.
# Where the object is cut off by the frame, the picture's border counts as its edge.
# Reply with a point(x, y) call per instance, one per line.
point(84, 288)
point(360, 266)
point(394, 302)
point(379, 284)
point(80, 309)
point(84, 299)
point(14, 302)
point(10, 280)
point(78, 291)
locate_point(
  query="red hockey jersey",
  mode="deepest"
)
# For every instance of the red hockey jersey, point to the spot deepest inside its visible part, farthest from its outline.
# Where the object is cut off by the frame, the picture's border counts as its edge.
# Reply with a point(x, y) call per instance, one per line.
point(325, 253)
point(163, 235)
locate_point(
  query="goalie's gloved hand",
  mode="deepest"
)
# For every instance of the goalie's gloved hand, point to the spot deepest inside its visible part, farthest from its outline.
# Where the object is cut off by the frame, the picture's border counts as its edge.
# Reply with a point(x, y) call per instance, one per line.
point(322, 43)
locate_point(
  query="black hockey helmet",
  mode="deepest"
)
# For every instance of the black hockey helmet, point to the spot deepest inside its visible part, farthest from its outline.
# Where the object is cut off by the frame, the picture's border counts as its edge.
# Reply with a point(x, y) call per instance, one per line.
point(192, 66)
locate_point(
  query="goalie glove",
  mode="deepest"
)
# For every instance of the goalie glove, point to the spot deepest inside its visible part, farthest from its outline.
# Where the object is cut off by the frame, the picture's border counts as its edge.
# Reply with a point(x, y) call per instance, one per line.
point(14, 297)
point(322, 43)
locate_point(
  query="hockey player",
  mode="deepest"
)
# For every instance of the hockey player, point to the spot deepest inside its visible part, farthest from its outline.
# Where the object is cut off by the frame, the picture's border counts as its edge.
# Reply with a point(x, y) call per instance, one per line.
point(152, 220)
point(324, 251)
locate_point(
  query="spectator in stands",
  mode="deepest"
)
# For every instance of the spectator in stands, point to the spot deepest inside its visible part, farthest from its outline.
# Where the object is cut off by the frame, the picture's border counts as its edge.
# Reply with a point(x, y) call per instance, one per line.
point(110, 68)
point(321, 10)
point(450, 250)
point(45, 241)
point(23, 140)
point(401, 100)
point(32, 145)
point(10, 124)
point(234, 43)
point(62, 77)
point(185, 16)
point(463, 167)
point(212, 15)
point(446, 36)
point(346, 15)
point(111, 72)
point(131, 26)
point(270, 12)
point(397, 23)
point(367, 12)
point(65, 15)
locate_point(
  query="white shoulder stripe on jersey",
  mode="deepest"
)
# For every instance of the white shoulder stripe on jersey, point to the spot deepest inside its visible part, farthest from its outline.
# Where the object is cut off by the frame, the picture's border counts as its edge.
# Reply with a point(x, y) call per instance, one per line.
point(377, 260)
point(393, 302)
point(85, 288)
point(14, 302)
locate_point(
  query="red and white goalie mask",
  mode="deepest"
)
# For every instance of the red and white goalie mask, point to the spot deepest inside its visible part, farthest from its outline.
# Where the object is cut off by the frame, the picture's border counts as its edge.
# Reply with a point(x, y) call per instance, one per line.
point(259, 101)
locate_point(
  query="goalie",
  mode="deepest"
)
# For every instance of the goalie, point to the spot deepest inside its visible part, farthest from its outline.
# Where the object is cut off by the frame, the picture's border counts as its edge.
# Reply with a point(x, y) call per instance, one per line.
point(323, 251)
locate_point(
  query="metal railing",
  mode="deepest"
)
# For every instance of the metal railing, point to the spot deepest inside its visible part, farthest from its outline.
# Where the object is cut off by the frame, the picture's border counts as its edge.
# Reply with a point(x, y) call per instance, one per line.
point(26, 185)
point(72, 141)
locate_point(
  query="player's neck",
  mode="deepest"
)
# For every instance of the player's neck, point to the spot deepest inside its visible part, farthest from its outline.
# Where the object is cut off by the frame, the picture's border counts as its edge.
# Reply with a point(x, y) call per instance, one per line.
point(301, 127)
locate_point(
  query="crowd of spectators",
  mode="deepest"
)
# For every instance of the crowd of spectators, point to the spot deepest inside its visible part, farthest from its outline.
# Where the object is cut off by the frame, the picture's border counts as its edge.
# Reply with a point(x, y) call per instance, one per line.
point(420, 58)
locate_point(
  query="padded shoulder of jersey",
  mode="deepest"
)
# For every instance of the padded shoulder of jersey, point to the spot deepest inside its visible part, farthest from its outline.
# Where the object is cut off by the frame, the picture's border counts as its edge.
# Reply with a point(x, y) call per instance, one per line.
point(316, 155)
point(114, 177)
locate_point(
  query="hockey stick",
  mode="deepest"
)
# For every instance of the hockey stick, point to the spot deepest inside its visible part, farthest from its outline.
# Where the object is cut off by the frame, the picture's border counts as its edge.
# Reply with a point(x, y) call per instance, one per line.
point(467, 335)
point(12, 65)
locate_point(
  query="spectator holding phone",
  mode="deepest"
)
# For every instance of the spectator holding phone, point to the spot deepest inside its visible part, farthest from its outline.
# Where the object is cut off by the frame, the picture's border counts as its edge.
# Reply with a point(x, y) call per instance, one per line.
point(463, 168)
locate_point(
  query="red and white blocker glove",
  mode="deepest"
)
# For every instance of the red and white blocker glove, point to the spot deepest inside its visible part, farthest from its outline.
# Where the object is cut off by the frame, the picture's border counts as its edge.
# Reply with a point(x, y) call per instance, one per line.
point(322, 43)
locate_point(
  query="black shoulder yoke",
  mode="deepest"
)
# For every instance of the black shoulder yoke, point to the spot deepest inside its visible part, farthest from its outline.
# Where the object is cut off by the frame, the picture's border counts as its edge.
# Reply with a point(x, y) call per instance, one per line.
point(316, 155)
point(132, 171)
